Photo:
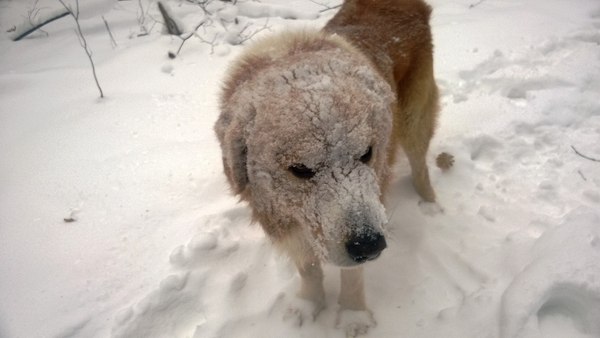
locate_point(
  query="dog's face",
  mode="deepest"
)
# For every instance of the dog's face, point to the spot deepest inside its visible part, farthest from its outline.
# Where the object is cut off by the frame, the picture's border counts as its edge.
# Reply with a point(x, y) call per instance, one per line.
point(310, 147)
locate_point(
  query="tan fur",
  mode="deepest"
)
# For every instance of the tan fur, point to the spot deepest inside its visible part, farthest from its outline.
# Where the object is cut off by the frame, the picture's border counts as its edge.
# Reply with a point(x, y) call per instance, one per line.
point(321, 99)
point(395, 35)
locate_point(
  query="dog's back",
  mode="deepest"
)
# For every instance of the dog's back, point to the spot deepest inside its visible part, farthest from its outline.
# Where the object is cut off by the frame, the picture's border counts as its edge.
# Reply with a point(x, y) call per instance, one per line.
point(395, 36)
point(392, 32)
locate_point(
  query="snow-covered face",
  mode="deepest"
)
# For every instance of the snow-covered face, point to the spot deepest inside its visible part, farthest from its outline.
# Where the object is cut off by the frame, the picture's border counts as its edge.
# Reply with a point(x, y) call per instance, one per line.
point(316, 153)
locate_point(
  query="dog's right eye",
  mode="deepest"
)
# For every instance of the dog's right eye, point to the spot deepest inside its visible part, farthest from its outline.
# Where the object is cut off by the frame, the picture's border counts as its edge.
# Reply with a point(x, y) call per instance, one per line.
point(301, 171)
point(367, 156)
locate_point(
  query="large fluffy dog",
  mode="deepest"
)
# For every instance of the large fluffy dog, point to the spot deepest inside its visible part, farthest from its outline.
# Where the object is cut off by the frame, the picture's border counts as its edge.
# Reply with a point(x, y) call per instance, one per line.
point(310, 126)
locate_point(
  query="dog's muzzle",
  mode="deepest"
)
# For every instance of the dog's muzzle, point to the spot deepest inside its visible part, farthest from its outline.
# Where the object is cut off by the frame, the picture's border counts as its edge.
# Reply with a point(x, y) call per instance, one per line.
point(365, 246)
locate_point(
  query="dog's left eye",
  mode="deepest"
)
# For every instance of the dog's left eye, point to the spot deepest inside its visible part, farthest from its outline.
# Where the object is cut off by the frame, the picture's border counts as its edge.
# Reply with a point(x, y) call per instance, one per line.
point(367, 156)
point(301, 171)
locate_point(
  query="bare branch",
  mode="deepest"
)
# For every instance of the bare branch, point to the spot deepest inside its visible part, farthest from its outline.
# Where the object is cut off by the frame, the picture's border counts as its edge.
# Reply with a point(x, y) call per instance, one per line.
point(244, 38)
point(141, 18)
point(32, 15)
point(585, 156)
point(184, 39)
point(170, 23)
point(142, 14)
point(33, 27)
point(112, 38)
point(473, 5)
point(327, 7)
point(82, 41)
point(212, 43)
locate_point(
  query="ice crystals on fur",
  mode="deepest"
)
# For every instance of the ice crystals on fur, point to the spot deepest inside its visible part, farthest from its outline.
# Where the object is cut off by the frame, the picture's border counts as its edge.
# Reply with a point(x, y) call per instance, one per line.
point(314, 108)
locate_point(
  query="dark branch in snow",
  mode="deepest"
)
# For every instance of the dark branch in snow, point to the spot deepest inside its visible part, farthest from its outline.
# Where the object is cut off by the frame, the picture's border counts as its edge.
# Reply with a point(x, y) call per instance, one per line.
point(473, 5)
point(170, 23)
point(585, 156)
point(30, 27)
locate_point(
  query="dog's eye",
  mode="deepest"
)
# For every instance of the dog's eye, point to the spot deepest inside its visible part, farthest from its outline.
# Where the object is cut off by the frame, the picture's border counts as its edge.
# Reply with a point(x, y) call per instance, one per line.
point(301, 171)
point(367, 156)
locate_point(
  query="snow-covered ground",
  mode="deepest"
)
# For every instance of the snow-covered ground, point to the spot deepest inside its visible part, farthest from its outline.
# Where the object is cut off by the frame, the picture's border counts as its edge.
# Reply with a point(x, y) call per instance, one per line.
point(157, 247)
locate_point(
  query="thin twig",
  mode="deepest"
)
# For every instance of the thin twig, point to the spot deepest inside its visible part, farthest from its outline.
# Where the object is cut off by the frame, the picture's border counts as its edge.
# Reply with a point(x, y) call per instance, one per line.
point(327, 7)
point(112, 38)
point(212, 43)
point(473, 5)
point(32, 15)
point(184, 39)
point(82, 41)
point(142, 15)
point(244, 38)
point(585, 156)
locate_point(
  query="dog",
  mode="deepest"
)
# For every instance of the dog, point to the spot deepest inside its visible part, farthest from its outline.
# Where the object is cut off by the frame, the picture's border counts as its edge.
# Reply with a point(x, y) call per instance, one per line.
point(310, 126)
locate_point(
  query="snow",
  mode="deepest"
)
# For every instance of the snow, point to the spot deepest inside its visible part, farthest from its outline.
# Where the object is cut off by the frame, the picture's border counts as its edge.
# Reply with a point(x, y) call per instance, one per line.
point(257, 10)
point(558, 285)
point(159, 248)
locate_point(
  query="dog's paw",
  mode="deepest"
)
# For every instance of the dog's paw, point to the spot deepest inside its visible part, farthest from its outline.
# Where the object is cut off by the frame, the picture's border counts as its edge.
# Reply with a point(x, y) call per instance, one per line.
point(355, 323)
point(295, 310)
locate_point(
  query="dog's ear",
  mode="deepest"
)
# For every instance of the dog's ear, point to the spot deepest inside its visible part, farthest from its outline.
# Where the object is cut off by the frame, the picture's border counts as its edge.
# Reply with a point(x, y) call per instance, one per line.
point(234, 160)
point(230, 129)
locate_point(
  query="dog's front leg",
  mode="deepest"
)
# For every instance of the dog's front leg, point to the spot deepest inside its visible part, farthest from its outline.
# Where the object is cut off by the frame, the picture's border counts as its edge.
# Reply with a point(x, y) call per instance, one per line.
point(310, 300)
point(354, 317)
point(352, 294)
point(311, 287)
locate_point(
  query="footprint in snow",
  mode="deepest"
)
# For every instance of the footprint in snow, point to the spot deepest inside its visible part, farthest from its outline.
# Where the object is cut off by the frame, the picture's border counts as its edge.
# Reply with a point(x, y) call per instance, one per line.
point(294, 310)
point(515, 78)
point(483, 147)
point(557, 294)
point(203, 246)
point(238, 283)
point(168, 311)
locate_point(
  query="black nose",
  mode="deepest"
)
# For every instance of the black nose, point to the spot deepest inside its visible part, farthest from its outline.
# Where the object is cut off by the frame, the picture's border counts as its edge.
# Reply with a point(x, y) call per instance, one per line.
point(366, 246)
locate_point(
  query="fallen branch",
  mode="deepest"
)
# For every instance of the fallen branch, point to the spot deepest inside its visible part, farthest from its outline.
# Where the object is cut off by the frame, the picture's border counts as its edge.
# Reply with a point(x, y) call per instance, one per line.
point(28, 27)
point(170, 23)
point(585, 156)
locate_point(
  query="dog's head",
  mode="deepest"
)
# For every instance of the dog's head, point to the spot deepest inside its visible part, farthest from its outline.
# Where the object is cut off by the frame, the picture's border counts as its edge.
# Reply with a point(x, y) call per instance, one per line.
point(304, 130)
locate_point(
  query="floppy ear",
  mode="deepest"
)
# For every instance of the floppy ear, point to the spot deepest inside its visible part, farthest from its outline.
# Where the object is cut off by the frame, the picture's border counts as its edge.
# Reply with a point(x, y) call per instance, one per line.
point(234, 159)
point(230, 129)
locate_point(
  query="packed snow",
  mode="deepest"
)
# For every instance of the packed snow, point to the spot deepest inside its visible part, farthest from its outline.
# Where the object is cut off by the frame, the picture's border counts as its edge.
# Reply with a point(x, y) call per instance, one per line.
point(116, 219)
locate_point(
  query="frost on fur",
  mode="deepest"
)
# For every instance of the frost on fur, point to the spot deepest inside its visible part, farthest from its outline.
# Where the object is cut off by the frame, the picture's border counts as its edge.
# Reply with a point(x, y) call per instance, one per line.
point(334, 105)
